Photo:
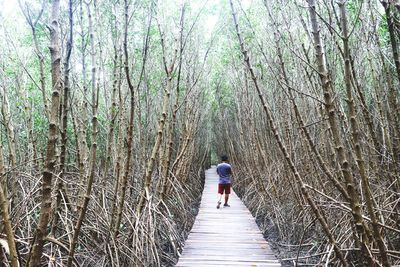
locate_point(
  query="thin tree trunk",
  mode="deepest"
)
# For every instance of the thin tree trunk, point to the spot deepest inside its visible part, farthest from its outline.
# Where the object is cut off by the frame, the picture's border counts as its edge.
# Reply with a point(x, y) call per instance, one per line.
point(5, 109)
point(330, 109)
point(92, 161)
point(366, 113)
point(124, 179)
point(33, 24)
point(392, 119)
point(368, 198)
point(393, 101)
point(82, 123)
point(112, 118)
point(166, 161)
point(118, 152)
point(5, 215)
point(64, 126)
point(38, 242)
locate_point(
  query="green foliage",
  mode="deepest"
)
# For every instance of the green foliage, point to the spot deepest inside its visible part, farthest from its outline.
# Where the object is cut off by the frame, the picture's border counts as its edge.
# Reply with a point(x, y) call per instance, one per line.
point(383, 32)
point(39, 122)
point(353, 9)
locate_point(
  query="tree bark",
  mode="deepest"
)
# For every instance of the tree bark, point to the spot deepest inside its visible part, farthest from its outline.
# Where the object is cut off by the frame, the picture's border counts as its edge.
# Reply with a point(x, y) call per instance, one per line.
point(5, 215)
point(64, 125)
point(355, 131)
point(45, 209)
point(124, 179)
point(93, 150)
point(331, 111)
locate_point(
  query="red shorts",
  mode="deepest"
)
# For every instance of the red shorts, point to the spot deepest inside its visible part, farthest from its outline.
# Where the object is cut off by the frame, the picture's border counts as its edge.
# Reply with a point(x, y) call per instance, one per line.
point(224, 187)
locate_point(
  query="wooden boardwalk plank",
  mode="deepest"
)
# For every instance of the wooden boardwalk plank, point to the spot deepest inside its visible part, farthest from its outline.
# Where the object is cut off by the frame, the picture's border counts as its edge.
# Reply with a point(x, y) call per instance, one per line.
point(225, 236)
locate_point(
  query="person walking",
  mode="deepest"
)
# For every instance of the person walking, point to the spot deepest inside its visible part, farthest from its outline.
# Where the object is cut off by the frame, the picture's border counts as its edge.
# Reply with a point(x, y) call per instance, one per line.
point(224, 170)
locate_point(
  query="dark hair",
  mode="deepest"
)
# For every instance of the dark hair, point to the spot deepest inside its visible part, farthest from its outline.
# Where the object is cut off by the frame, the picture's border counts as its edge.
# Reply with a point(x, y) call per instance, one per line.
point(224, 158)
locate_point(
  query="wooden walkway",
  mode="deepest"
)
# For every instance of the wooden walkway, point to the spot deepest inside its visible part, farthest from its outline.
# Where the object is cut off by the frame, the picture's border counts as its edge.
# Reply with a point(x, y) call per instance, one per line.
point(226, 236)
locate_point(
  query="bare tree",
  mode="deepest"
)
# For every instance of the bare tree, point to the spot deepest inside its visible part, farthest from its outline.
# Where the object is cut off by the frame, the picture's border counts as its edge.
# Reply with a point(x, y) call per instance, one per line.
point(38, 242)
point(5, 215)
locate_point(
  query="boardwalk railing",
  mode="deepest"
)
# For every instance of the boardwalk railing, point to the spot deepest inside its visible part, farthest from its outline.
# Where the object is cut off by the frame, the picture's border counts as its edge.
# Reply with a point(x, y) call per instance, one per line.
point(227, 236)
